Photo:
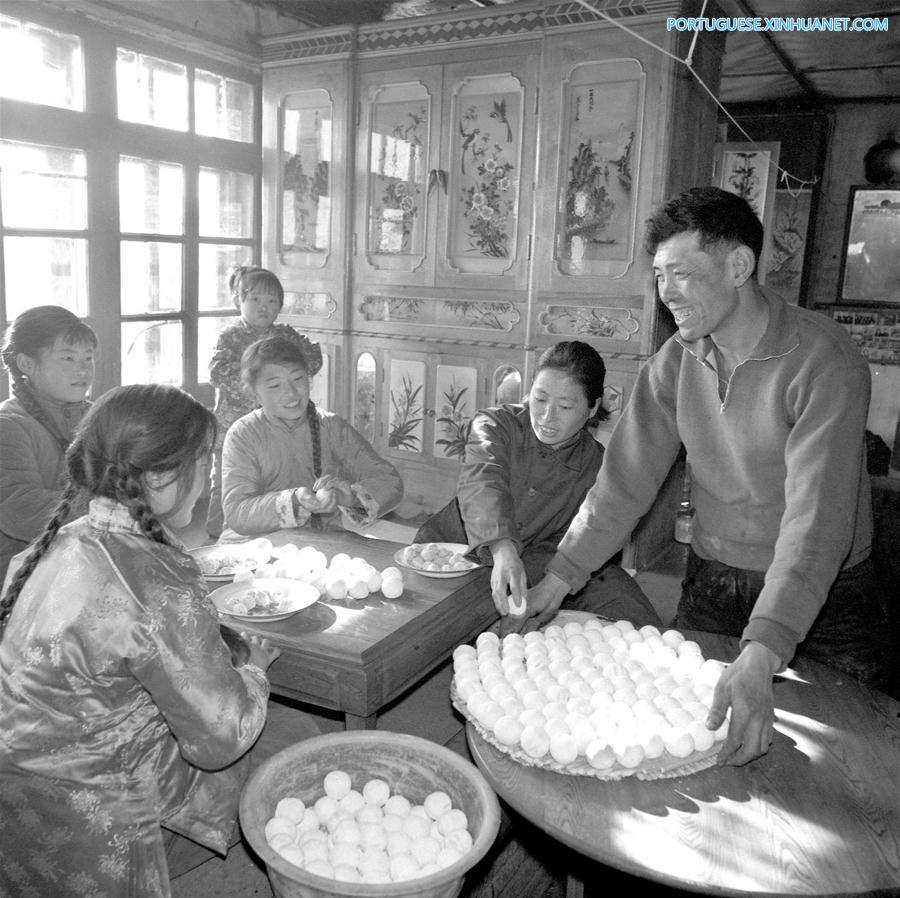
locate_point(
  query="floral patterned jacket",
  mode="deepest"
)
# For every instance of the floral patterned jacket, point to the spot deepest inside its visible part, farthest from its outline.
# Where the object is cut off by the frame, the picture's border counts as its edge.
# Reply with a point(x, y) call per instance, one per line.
point(120, 711)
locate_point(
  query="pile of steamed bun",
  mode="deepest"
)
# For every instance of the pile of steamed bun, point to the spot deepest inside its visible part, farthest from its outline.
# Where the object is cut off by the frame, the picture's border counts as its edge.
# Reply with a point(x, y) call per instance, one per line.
point(372, 836)
point(597, 693)
point(435, 557)
point(342, 577)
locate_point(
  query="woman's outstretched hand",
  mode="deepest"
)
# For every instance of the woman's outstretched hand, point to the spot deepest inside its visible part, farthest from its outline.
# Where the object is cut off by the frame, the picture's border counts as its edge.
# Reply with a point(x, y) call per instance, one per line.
point(262, 652)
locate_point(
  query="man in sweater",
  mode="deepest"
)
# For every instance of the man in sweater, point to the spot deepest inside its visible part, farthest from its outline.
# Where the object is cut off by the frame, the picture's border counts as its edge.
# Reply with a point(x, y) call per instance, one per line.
point(770, 402)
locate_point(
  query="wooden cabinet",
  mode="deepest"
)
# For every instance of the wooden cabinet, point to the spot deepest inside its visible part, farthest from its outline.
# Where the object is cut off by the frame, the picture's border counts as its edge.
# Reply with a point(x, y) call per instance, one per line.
point(490, 174)
point(444, 174)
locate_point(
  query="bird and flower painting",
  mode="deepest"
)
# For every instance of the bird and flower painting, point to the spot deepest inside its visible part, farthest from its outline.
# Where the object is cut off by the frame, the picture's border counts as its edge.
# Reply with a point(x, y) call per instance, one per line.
point(600, 148)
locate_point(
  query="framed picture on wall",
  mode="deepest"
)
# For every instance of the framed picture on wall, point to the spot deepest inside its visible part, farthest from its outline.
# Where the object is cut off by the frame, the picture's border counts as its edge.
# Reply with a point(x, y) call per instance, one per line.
point(870, 259)
point(789, 229)
point(750, 170)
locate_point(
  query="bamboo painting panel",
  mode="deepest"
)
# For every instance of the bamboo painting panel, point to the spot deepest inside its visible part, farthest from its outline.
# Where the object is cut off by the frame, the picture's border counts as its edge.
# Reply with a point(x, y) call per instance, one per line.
point(407, 409)
point(601, 135)
point(455, 396)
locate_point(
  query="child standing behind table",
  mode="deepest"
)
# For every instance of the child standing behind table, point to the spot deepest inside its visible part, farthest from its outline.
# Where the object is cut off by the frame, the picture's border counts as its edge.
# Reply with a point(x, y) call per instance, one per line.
point(258, 295)
point(289, 464)
point(49, 354)
point(121, 708)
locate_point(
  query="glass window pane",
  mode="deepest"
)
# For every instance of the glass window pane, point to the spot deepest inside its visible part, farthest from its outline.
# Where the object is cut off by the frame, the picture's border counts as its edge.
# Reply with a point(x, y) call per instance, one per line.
point(151, 277)
point(43, 186)
point(152, 91)
point(152, 352)
point(306, 164)
point(216, 263)
point(38, 65)
point(208, 330)
point(151, 196)
point(364, 401)
point(223, 107)
point(50, 270)
point(398, 146)
point(225, 203)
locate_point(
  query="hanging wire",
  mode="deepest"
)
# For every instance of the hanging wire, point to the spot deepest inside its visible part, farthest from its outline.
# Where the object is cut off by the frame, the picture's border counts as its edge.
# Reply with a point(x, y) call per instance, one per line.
point(688, 61)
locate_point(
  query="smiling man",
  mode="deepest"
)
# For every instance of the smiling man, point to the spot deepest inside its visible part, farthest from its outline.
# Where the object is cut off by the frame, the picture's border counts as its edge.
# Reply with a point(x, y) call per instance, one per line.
point(770, 402)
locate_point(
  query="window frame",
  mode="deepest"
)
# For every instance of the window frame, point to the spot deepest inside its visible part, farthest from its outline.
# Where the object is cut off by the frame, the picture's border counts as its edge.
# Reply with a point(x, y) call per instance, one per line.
point(103, 138)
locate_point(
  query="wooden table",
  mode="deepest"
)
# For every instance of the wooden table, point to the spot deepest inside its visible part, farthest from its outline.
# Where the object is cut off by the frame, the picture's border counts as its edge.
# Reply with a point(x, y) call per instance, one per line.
point(357, 656)
point(818, 815)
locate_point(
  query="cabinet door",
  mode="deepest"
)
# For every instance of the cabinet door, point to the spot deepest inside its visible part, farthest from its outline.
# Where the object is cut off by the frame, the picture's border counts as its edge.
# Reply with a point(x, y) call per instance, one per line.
point(304, 200)
point(305, 119)
point(445, 174)
point(488, 137)
point(397, 171)
point(603, 153)
point(429, 401)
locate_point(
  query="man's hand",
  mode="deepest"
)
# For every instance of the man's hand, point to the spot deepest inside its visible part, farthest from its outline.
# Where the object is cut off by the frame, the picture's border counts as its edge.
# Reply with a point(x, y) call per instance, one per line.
point(746, 687)
point(508, 583)
point(545, 598)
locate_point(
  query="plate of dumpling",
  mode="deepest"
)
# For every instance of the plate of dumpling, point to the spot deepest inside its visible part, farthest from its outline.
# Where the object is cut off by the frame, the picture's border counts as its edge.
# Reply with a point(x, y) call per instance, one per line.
point(219, 563)
point(586, 696)
point(436, 559)
point(263, 599)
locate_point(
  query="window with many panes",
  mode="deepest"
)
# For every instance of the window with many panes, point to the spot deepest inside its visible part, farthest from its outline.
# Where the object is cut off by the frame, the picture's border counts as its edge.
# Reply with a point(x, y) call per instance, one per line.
point(129, 187)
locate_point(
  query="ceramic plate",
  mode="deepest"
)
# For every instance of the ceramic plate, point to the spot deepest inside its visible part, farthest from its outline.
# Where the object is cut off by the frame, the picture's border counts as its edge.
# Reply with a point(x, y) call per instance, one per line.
point(264, 598)
point(217, 563)
point(412, 559)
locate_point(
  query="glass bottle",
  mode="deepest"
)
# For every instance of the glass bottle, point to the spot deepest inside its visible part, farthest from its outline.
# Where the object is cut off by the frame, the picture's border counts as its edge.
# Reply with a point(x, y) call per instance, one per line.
point(684, 517)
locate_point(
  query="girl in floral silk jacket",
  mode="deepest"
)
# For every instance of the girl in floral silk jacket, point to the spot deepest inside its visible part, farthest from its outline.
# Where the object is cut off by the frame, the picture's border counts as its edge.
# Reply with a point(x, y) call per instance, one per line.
point(121, 709)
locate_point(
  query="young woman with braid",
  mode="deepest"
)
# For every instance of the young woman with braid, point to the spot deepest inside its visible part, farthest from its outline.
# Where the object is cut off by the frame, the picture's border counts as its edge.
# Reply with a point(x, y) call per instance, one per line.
point(49, 354)
point(290, 464)
point(121, 709)
point(258, 295)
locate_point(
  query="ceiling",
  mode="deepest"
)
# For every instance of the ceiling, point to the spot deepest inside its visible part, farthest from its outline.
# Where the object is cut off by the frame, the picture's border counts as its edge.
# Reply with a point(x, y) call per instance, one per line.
point(799, 66)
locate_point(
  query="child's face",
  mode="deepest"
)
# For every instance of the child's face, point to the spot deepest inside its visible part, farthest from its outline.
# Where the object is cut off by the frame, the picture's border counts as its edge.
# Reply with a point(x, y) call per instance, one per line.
point(163, 494)
point(259, 307)
point(283, 391)
point(63, 372)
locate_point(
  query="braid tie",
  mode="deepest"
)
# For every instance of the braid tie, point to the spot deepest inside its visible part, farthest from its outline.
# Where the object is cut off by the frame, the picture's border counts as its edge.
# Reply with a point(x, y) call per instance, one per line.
point(24, 392)
point(38, 550)
point(315, 433)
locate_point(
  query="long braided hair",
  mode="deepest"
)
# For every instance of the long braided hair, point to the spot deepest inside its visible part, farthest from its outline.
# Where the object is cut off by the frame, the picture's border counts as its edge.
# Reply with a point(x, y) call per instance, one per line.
point(129, 432)
point(33, 332)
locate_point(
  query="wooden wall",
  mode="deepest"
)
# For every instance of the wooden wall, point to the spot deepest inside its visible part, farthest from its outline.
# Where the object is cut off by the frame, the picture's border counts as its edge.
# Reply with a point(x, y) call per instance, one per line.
point(855, 128)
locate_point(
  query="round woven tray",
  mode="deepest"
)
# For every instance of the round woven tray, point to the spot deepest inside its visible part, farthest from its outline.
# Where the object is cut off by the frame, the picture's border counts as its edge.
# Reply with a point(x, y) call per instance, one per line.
point(664, 767)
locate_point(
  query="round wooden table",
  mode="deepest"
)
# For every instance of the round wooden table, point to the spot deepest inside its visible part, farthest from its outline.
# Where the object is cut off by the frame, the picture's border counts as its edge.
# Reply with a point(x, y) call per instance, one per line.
point(818, 815)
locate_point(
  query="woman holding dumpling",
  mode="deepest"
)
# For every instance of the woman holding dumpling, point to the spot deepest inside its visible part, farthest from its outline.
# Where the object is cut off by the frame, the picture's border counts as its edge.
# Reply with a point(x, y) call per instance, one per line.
point(526, 470)
point(290, 464)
